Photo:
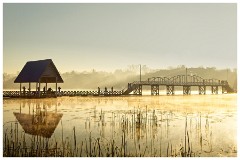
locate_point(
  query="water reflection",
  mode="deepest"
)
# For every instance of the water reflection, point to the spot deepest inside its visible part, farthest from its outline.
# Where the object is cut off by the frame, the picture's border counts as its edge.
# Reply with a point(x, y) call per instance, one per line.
point(124, 126)
point(40, 122)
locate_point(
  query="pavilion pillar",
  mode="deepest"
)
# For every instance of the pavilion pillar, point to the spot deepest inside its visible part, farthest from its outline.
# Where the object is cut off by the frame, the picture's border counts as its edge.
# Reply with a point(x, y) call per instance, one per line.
point(56, 86)
point(46, 86)
point(29, 87)
point(36, 86)
point(20, 89)
point(39, 90)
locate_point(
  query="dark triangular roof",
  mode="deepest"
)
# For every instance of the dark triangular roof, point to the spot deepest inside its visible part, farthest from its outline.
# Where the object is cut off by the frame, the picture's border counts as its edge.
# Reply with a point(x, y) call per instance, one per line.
point(33, 71)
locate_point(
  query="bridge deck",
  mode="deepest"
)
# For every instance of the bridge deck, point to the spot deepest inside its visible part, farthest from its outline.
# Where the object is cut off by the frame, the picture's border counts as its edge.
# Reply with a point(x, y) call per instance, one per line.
point(186, 81)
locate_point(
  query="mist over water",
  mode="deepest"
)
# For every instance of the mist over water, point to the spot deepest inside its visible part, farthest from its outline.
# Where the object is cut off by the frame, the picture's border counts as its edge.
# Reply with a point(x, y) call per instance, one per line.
point(146, 125)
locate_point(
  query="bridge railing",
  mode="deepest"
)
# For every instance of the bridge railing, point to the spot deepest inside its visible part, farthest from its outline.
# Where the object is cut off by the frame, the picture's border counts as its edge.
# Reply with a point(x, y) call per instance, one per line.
point(175, 83)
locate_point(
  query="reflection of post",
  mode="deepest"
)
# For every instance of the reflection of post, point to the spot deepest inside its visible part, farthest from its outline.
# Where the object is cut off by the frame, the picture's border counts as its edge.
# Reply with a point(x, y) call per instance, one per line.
point(95, 112)
point(46, 110)
point(29, 108)
point(56, 108)
point(32, 113)
point(39, 122)
point(103, 131)
point(138, 133)
point(20, 108)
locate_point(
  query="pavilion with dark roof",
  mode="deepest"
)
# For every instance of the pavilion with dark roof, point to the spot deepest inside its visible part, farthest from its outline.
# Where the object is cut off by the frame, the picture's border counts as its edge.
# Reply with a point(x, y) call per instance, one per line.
point(41, 71)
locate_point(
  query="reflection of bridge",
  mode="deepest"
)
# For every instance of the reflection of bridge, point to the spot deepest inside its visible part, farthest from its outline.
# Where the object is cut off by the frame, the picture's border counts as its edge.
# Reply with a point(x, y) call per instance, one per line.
point(180, 80)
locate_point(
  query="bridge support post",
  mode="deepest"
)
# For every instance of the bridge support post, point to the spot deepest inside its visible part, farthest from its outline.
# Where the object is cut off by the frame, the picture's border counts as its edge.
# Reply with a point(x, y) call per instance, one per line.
point(138, 90)
point(154, 90)
point(186, 90)
point(214, 89)
point(202, 90)
point(224, 89)
point(170, 90)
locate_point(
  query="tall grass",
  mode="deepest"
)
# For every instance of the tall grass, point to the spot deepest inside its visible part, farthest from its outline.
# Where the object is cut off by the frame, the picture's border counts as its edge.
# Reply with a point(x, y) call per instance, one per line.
point(134, 134)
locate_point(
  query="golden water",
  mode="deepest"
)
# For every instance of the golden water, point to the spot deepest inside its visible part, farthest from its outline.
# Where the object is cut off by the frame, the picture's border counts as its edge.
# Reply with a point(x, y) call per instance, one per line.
point(203, 125)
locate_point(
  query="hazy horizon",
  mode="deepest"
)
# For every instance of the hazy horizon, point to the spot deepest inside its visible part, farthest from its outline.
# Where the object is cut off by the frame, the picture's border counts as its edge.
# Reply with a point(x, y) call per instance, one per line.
point(127, 68)
point(106, 37)
point(120, 78)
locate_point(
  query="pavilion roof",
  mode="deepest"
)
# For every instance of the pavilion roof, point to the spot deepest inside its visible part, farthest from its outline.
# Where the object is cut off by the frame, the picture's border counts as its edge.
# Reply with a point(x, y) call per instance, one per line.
point(39, 71)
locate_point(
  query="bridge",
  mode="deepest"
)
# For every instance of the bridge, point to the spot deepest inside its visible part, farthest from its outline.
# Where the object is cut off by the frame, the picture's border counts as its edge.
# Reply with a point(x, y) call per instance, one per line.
point(135, 88)
point(185, 81)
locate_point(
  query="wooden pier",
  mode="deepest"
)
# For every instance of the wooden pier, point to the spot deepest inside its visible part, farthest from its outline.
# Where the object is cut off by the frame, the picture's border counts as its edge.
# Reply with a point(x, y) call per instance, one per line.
point(135, 88)
point(54, 94)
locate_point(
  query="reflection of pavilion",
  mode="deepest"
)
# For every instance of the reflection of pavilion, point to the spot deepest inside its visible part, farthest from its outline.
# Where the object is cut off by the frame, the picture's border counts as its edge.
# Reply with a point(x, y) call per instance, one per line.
point(41, 122)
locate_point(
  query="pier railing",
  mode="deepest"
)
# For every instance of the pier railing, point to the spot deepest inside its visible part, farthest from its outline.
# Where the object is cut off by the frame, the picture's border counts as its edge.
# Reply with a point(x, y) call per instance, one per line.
point(90, 93)
point(41, 94)
point(135, 88)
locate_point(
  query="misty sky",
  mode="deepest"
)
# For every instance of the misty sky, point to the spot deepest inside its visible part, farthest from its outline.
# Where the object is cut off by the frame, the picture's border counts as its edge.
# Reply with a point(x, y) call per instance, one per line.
point(111, 36)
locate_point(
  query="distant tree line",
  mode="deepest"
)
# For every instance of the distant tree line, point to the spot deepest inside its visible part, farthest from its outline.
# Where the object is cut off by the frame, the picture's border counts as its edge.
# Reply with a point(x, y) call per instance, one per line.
point(121, 77)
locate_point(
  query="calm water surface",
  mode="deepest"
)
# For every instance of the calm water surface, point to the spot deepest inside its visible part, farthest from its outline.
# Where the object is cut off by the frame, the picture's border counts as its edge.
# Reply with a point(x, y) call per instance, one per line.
point(179, 125)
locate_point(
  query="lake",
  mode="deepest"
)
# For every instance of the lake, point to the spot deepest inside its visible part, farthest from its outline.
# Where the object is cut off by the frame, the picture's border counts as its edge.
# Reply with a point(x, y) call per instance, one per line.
point(131, 126)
